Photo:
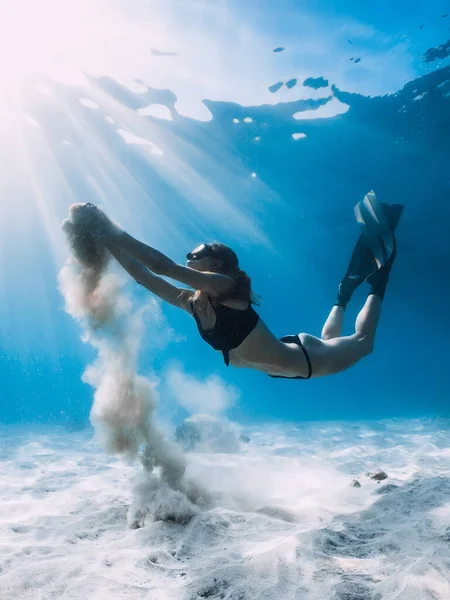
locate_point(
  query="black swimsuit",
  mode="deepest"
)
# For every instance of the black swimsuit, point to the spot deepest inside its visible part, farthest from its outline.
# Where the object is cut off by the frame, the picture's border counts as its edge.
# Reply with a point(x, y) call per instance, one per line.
point(233, 326)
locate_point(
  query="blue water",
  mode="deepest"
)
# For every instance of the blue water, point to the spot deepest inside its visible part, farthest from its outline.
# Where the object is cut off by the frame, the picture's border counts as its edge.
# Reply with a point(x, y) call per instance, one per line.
point(292, 225)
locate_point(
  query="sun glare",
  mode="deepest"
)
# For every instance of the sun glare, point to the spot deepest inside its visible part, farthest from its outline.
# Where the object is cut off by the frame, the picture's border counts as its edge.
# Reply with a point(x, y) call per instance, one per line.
point(39, 36)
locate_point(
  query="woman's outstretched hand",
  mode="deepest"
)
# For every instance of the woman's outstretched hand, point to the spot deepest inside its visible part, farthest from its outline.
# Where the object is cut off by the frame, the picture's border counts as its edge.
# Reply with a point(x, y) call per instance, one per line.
point(99, 225)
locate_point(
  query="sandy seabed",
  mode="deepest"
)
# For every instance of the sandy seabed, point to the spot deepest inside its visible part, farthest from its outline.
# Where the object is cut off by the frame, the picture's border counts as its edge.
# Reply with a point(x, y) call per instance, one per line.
point(284, 522)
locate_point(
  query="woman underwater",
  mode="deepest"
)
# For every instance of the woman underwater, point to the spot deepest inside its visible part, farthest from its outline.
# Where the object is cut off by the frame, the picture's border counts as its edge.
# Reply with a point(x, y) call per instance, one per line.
point(221, 301)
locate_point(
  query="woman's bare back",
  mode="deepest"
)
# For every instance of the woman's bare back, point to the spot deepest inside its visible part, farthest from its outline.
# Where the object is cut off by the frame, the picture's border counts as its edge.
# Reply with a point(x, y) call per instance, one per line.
point(260, 350)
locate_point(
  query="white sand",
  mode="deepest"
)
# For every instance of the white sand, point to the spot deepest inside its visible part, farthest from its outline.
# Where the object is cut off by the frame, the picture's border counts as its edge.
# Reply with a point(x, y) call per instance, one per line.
point(283, 521)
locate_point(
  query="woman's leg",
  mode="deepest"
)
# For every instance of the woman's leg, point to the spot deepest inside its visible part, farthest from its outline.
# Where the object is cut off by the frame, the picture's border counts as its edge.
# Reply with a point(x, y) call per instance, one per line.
point(368, 317)
point(333, 325)
point(336, 354)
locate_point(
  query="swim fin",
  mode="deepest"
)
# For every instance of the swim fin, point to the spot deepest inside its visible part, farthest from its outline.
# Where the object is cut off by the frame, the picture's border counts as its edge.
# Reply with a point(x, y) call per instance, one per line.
point(375, 228)
point(362, 263)
point(378, 279)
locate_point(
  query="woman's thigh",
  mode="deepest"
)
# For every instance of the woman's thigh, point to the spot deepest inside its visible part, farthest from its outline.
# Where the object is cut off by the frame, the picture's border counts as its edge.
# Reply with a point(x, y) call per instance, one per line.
point(335, 355)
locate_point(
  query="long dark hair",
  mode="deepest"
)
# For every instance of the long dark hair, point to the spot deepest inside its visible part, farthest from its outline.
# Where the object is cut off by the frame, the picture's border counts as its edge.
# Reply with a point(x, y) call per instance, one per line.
point(230, 266)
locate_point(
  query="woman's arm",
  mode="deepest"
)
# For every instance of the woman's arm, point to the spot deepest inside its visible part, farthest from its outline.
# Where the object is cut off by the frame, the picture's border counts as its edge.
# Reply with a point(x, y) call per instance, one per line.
point(177, 296)
point(214, 284)
point(154, 260)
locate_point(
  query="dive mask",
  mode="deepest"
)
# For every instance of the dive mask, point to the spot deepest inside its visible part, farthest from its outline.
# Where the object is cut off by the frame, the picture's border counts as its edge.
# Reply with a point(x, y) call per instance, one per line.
point(200, 252)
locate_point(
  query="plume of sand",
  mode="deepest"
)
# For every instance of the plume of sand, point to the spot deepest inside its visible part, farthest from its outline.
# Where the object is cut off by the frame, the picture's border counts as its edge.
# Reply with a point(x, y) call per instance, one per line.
point(123, 412)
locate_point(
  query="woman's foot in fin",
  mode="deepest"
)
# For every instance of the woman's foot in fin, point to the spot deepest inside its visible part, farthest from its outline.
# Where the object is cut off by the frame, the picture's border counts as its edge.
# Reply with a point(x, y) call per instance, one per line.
point(362, 263)
point(378, 221)
point(378, 280)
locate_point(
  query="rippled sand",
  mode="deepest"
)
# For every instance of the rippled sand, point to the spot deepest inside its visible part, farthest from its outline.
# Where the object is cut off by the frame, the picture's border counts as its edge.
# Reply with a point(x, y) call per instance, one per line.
point(284, 521)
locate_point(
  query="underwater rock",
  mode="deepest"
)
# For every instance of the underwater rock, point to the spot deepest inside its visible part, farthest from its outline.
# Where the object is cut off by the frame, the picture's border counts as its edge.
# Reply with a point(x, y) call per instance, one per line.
point(208, 434)
point(187, 434)
point(355, 483)
point(379, 475)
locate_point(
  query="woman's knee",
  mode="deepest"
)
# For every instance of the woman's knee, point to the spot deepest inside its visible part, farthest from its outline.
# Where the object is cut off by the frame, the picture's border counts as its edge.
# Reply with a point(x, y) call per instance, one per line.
point(349, 353)
point(366, 344)
point(329, 333)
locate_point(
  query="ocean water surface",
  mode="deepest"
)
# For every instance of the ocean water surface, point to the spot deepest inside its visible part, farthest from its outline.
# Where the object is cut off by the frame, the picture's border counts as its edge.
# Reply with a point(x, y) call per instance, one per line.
point(133, 463)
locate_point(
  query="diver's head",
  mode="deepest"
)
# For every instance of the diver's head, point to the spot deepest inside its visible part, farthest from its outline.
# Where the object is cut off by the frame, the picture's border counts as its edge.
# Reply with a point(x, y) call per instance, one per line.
point(214, 257)
point(218, 258)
